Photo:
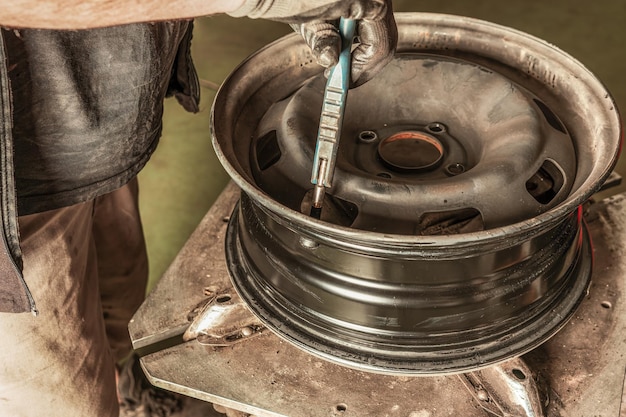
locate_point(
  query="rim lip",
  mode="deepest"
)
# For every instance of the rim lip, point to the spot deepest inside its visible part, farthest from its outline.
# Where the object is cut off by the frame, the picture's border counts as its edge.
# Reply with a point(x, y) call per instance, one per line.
point(344, 236)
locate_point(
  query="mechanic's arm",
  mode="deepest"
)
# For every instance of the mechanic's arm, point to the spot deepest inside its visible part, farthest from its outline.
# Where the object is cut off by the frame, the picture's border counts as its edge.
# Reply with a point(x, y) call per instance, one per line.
point(86, 14)
point(314, 19)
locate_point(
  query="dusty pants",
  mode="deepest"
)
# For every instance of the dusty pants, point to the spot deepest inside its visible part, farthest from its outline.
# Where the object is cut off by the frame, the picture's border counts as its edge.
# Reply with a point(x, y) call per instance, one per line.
point(86, 266)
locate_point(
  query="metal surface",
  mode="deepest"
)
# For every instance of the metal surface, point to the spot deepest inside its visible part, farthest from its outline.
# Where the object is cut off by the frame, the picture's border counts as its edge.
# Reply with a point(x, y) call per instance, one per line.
point(507, 390)
point(476, 256)
point(223, 321)
point(582, 366)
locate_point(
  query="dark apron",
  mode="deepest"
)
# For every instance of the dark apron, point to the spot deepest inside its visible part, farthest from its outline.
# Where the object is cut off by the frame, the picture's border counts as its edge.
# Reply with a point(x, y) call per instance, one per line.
point(81, 115)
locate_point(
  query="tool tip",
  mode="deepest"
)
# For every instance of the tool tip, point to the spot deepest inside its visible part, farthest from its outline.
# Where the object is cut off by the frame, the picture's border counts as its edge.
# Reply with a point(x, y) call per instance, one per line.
point(316, 212)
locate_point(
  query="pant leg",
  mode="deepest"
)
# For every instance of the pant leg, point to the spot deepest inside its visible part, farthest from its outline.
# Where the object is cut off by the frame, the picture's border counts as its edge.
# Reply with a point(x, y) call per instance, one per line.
point(59, 363)
point(122, 263)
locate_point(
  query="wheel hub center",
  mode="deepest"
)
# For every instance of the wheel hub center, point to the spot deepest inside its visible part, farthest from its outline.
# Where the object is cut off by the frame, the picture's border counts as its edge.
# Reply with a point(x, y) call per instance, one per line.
point(411, 151)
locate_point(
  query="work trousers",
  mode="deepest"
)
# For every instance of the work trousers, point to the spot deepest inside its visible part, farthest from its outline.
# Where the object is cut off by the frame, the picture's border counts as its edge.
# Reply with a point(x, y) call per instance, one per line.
point(87, 268)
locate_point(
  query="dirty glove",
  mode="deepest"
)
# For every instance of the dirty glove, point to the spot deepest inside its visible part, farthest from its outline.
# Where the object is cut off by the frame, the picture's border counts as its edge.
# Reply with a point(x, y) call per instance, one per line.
point(316, 21)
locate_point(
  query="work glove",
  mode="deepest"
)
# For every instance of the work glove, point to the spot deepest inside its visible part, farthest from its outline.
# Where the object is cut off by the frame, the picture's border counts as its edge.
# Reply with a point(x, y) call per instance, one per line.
point(317, 22)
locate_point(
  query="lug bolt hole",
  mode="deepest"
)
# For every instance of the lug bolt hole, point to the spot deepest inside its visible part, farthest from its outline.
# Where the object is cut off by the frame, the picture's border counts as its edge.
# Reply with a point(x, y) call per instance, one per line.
point(368, 136)
point(455, 169)
point(436, 127)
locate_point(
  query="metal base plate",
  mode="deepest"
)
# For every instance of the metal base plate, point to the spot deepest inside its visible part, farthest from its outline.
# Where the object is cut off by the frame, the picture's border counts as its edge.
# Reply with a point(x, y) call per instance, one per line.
point(583, 366)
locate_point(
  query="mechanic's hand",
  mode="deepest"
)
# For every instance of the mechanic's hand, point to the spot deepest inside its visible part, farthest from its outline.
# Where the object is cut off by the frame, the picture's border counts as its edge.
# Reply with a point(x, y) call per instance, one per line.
point(316, 21)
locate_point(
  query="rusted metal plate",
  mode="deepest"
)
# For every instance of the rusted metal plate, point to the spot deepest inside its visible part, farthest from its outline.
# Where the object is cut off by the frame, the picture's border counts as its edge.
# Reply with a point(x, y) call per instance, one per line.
point(582, 366)
point(272, 378)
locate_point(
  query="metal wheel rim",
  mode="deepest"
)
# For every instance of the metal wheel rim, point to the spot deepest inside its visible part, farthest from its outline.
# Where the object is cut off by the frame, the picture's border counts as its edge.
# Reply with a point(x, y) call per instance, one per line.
point(280, 310)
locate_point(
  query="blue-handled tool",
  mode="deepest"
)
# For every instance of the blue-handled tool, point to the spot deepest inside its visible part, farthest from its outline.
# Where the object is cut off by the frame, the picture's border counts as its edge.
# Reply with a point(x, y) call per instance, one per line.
point(331, 119)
